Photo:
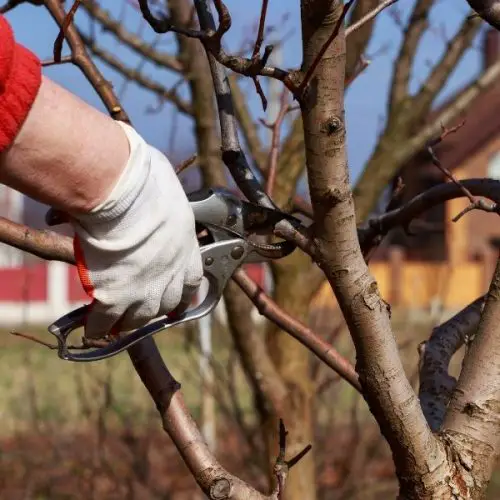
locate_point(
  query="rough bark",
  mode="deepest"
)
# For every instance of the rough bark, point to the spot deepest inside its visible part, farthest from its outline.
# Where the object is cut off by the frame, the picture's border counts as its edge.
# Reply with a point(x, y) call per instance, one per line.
point(472, 422)
point(212, 478)
point(419, 457)
point(436, 384)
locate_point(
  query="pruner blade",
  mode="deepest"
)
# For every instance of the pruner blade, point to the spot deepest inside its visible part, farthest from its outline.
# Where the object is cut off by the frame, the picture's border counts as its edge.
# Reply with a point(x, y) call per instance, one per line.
point(262, 220)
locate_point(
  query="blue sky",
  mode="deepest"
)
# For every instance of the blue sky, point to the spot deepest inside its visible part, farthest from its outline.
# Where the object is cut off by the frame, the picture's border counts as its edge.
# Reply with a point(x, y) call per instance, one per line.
point(365, 102)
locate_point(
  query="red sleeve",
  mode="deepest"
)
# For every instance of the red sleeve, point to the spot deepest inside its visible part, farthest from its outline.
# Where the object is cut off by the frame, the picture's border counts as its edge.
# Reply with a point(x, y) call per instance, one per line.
point(20, 78)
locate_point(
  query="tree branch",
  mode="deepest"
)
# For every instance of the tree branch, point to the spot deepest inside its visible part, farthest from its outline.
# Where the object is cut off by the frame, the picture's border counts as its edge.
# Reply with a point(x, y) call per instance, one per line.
point(417, 24)
point(365, 16)
point(403, 215)
point(308, 338)
point(361, 31)
point(472, 422)
point(489, 10)
point(440, 73)
point(132, 41)
point(397, 147)
point(232, 155)
point(83, 61)
point(44, 244)
point(385, 386)
point(212, 478)
point(136, 76)
point(436, 385)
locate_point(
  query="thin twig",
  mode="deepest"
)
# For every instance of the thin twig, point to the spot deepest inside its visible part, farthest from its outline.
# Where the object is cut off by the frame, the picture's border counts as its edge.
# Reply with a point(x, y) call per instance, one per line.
point(312, 68)
point(474, 203)
point(185, 164)
point(62, 32)
point(282, 466)
point(53, 62)
point(435, 160)
point(86, 343)
point(211, 38)
point(260, 32)
point(272, 163)
point(260, 92)
point(368, 17)
point(256, 52)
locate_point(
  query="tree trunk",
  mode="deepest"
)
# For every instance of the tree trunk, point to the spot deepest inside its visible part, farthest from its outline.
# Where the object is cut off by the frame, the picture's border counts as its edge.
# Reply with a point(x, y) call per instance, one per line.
point(293, 293)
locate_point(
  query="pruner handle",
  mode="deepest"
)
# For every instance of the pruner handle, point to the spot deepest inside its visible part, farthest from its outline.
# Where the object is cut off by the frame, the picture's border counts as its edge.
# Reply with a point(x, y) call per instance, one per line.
point(63, 327)
point(220, 260)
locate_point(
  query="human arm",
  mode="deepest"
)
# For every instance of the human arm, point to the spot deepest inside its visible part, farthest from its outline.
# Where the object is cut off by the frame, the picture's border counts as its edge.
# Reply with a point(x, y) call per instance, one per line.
point(135, 240)
point(66, 154)
point(51, 142)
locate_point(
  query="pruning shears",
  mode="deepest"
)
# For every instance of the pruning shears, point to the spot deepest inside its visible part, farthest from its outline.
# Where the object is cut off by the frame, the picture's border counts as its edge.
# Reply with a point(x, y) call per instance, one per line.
point(225, 223)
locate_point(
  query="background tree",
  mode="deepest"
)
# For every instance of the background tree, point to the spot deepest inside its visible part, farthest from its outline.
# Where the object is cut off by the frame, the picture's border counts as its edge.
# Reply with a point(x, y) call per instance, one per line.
point(277, 367)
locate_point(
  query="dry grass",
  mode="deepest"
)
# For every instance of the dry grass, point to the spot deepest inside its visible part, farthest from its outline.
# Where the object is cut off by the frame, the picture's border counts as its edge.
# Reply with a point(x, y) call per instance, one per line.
point(38, 388)
point(76, 430)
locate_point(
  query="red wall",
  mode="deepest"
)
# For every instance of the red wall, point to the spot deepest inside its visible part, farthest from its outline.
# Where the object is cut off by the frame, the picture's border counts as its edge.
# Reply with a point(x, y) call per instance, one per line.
point(24, 283)
point(30, 283)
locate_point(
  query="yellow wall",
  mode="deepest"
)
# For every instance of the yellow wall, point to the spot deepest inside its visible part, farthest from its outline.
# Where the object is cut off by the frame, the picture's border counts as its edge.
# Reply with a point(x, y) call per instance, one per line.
point(454, 286)
point(454, 283)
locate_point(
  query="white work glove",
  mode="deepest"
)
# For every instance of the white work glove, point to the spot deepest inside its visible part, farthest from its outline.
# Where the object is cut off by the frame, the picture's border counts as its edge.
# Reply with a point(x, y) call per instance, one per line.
point(137, 253)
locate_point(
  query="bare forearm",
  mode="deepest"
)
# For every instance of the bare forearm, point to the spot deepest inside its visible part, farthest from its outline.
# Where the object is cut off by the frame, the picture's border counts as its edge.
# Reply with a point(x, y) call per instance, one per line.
point(66, 154)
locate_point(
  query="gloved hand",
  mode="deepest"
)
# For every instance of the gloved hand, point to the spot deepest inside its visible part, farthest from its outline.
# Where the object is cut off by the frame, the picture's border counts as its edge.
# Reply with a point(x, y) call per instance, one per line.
point(137, 252)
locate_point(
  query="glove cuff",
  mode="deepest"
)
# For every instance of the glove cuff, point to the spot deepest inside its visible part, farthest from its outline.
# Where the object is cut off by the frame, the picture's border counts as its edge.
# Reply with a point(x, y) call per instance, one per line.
point(20, 80)
point(129, 185)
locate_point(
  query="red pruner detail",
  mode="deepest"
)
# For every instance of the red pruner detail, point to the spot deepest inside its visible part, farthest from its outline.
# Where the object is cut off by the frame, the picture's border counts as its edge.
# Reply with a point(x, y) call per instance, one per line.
point(83, 274)
point(81, 266)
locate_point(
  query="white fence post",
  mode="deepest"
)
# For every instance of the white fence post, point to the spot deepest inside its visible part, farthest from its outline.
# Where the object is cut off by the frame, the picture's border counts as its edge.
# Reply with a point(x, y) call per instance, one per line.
point(57, 289)
point(208, 418)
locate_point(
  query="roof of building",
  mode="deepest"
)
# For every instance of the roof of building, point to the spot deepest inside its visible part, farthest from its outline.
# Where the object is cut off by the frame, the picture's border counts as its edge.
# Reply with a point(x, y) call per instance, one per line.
point(482, 117)
point(482, 124)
